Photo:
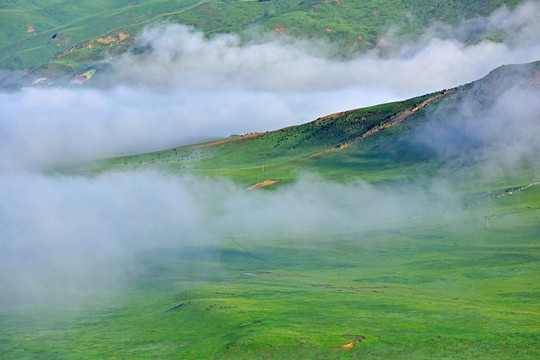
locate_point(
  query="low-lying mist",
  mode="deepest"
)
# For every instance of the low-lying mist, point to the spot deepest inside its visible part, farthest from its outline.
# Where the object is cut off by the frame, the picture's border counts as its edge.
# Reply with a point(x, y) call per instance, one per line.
point(187, 88)
point(497, 130)
point(72, 236)
point(64, 236)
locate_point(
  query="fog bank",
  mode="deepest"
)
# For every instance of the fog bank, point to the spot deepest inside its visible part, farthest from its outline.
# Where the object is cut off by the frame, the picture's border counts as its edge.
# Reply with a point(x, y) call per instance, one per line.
point(187, 88)
point(62, 235)
point(68, 237)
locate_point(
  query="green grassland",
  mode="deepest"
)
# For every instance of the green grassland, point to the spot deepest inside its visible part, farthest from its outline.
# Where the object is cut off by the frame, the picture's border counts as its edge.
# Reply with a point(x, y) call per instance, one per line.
point(277, 154)
point(457, 284)
point(369, 143)
point(59, 36)
point(448, 287)
point(74, 23)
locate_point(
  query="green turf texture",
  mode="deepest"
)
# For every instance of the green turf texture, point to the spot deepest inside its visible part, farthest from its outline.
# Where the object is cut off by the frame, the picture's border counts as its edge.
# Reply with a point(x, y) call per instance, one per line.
point(353, 25)
point(451, 287)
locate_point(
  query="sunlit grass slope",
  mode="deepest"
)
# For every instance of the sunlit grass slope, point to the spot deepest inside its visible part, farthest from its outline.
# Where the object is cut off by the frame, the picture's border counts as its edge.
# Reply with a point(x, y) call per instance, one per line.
point(34, 33)
point(279, 154)
point(64, 35)
point(372, 143)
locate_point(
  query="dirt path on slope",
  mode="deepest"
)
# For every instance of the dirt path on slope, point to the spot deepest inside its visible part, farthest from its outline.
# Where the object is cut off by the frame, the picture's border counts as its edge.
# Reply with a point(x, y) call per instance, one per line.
point(392, 121)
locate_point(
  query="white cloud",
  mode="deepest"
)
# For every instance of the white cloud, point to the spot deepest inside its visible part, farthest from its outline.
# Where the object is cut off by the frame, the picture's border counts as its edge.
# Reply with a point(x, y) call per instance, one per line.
point(189, 88)
point(180, 57)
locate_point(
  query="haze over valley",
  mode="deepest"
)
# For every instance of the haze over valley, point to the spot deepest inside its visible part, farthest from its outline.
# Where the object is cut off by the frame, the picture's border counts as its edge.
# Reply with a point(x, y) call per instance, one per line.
point(404, 195)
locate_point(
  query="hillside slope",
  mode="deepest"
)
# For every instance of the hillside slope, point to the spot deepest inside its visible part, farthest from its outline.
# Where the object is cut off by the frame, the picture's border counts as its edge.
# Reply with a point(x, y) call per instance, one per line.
point(438, 259)
point(417, 137)
point(64, 35)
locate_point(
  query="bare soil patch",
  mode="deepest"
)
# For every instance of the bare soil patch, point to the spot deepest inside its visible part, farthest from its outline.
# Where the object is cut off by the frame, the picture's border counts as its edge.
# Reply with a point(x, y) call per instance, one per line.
point(351, 345)
point(262, 184)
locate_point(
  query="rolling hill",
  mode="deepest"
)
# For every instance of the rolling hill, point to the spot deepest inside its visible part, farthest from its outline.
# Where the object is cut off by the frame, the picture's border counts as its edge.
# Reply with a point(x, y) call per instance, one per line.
point(378, 143)
point(62, 36)
point(417, 238)
point(405, 230)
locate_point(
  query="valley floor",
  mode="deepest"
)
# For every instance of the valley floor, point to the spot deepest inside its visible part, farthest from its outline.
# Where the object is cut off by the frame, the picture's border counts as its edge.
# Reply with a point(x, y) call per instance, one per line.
point(457, 286)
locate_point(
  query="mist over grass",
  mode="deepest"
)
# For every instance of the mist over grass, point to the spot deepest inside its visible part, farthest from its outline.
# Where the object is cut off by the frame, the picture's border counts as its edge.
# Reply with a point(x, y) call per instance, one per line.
point(184, 87)
point(503, 137)
point(63, 235)
point(70, 237)
point(176, 56)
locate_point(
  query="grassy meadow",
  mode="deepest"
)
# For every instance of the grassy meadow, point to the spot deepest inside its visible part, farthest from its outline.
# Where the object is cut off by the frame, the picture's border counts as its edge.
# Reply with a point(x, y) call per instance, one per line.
point(454, 279)
point(446, 266)
point(454, 285)
point(60, 37)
